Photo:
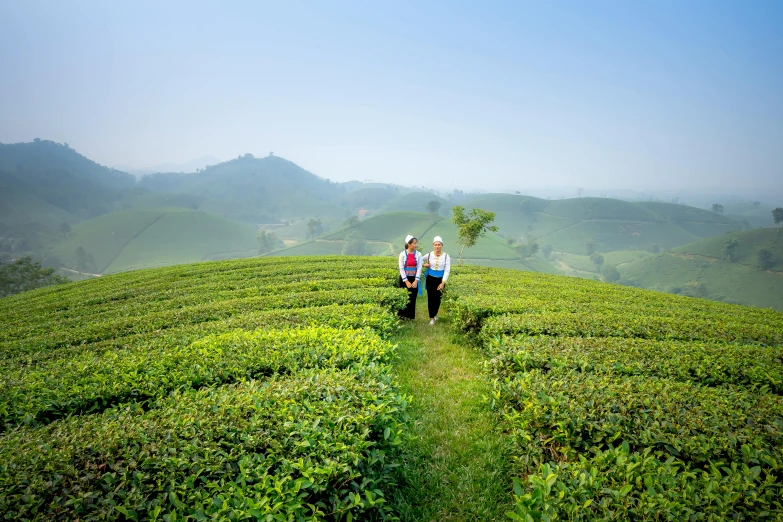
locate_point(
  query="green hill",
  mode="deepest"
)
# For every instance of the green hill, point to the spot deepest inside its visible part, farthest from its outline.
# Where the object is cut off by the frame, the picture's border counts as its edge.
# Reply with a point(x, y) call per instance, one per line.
point(414, 202)
point(133, 239)
point(273, 186)
point(385, 235)
point(609, 224)
point(59, 176)
point(702, 268)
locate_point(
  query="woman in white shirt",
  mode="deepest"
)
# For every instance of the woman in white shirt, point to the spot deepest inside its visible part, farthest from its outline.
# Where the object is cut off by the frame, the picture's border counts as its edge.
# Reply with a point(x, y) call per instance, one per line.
point(438, 265)
point(410, 261)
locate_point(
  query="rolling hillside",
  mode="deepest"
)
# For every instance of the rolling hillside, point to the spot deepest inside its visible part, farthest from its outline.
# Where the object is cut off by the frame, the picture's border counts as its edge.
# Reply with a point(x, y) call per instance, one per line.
point(702, 269)
point(385, 235)
point(609, 224)
point(134, 239)
point(273, 186)
point(60, 176)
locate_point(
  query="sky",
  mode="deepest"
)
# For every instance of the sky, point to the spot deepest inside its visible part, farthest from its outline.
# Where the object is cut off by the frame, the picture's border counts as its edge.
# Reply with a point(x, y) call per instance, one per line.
point(503, 95)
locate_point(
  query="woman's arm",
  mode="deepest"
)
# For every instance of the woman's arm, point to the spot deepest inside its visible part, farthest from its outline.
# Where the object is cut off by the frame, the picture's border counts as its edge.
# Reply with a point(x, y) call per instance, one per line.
point(419, 263)
point(446, 268)
point(401, 263)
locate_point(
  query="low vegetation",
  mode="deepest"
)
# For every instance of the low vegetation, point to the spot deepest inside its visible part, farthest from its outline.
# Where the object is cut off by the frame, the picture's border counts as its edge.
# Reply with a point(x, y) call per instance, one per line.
point(627, 404)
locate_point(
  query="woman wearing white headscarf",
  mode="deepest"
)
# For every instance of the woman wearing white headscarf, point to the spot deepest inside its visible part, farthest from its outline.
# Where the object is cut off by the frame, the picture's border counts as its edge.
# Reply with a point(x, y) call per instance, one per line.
point(410, 261)
point(438, 265)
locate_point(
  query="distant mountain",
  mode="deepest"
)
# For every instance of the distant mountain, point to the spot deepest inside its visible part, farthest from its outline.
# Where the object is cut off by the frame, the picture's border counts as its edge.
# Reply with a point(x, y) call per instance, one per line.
point(187, 166)
point(58, 175)
point(278, 186)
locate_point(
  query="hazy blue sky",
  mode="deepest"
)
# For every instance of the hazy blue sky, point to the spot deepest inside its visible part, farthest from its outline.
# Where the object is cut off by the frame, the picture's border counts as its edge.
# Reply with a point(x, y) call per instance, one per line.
point(489, 95)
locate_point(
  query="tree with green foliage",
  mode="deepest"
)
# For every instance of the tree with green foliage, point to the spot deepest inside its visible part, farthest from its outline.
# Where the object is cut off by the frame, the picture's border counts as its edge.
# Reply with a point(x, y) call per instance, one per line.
point(730, 249)
point(547, 250)
point(268, 241)
point(471, 226)
point(717, 208)
point(314, 227)
point(352, 221)
point(764, 259)
point(527, 249)
point(355, 245)
point(777, 216)
point(590, 246)
point(610, 274)
point(25, 274)
point(433, 206)
point(598, 260)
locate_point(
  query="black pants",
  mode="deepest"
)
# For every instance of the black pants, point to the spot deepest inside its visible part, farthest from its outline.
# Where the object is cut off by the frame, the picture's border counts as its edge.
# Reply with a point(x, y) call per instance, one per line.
point(433, 295)
point(409, 312)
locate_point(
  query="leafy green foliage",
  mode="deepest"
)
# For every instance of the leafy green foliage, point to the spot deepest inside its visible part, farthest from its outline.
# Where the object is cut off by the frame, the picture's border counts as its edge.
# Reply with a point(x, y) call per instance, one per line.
point(25, 274)
point(268, 241)
point(242, 389)
point(471, 226)
point(355, 245)
point(730, 249)
point(627, 404)
point(777, 215)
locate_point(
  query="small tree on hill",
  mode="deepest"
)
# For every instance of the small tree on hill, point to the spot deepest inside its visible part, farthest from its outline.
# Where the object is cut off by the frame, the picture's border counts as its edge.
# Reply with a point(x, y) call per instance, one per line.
point(355, 245)
point(65, 229)
point(314, 227)
point(547, 250)
point(527, 249)
point(268, 241)
point(777, 216)
point(352, 221)
point(598, 260)
point(717, 208)
point(25, 274)
point(730, 249)
point(433, 206)
point(590, 246)
point(764, 259)
point(610, 274)
point(471, 226)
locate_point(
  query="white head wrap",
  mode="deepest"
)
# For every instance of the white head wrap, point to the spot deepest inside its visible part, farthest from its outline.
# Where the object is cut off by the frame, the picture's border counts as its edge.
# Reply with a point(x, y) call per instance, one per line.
point(437, 239)
point(408, 239)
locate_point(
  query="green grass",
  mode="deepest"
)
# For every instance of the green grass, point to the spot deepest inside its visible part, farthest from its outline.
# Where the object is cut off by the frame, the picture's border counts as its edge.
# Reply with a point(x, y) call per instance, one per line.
point(457, 462)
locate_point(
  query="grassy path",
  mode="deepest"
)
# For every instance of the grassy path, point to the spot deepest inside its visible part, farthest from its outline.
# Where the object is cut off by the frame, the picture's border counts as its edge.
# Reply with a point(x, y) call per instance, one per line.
point(457, 462)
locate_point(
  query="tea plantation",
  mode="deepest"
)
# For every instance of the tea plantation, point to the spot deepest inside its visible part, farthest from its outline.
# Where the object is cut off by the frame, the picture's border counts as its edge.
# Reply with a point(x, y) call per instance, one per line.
point(266, 389)
point(231, 390)
point(626, 404)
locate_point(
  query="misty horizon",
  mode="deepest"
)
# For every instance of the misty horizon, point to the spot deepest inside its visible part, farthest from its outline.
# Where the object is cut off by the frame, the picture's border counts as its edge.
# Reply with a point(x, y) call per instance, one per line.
point(541, 97)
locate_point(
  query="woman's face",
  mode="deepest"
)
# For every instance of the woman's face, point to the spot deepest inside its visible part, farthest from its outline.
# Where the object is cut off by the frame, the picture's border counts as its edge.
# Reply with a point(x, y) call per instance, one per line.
point(412, 245)
point(438, 246)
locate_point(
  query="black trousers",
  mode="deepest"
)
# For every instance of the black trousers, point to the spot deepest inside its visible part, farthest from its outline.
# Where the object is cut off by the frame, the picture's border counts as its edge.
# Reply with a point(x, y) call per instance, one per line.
point(433, 295)
point(409, 312)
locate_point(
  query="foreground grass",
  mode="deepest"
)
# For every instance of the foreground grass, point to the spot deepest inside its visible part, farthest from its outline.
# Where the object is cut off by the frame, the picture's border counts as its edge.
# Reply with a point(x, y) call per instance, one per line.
point(457, 463)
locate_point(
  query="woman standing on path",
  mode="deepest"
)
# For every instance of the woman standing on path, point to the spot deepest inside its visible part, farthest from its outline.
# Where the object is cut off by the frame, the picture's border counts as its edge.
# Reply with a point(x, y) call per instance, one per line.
point(438, 266)
point(410, 273)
